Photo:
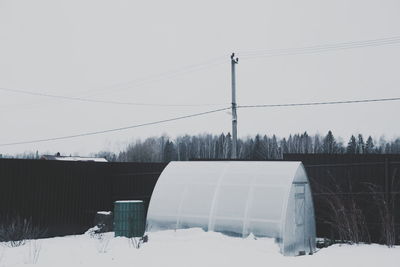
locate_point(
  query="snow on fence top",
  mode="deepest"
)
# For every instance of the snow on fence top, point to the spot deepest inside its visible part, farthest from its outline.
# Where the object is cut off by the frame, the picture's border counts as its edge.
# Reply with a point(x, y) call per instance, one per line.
point(268, 199)
point(72, 158)
point(128, 201)
point(104, 212)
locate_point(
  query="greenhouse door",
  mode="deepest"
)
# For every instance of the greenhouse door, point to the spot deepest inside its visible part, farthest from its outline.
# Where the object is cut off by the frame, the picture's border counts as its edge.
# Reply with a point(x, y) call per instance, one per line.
point(299, 218)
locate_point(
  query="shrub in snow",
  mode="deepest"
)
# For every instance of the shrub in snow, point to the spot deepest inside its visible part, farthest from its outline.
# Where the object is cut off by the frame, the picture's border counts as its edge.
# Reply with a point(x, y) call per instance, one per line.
point(386, 206)
point(137, 242)
point(92, 232)
point(16, 230)
point(104, 221)
point(343, 213)
point(102, 239)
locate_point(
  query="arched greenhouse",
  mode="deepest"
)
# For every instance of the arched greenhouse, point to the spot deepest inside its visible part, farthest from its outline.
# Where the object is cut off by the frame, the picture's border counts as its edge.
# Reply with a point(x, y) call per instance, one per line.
point(268, 199)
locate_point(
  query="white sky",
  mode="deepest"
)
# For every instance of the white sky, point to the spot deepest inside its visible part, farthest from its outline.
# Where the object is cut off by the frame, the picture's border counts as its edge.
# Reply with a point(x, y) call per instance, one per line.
point(101, 49)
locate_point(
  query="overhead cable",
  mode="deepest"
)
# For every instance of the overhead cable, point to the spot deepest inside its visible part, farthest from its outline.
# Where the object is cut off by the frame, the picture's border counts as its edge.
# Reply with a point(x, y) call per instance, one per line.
point(320, 103)
point(81, 99)
point(159, 77)
point(114, 129)
point(201, 114)
point(248, 54)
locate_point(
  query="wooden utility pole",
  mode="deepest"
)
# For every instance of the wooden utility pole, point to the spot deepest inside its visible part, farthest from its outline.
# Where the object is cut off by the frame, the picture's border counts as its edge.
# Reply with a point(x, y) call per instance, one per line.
point(234, 61)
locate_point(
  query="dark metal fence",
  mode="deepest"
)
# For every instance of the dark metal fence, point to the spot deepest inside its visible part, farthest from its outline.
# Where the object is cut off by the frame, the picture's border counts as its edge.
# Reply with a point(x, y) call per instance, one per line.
point(63, 197)
point(365, 185)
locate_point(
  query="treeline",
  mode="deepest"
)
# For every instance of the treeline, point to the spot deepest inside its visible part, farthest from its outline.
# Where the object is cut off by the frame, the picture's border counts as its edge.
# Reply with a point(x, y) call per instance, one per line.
point(260, 147)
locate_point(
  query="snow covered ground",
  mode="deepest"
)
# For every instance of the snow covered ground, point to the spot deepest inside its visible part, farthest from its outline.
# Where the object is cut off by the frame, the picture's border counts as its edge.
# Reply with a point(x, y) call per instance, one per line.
point(183, 248)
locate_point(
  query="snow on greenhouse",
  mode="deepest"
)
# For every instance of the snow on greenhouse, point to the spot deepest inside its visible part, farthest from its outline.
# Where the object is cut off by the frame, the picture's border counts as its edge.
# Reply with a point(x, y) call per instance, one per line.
point(267, 199)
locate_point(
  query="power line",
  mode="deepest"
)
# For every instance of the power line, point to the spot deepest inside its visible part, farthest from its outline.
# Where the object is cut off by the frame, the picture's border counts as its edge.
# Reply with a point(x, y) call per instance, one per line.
point(219, 60)
point(135, 83)
point(320, 103)
point(103, 101)
point(369, 41)
point(251, 54)
point(115, 129)
point(161, 76)
point(201, 114)
point(318, 48)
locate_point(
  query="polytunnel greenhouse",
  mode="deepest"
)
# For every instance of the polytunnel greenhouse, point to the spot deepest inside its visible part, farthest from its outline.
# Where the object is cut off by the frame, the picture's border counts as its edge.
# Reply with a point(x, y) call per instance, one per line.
point(267, 199)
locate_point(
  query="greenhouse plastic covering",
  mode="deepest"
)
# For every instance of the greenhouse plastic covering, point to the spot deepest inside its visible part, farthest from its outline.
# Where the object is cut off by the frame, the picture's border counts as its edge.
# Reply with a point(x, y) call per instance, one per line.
point(267, 199)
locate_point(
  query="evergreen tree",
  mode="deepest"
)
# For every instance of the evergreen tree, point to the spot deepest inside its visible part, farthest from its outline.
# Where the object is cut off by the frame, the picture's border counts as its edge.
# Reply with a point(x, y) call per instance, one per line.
point(329, 144)
point(369, 146)
point(257, 152)
point(266, 146)
point(284, 146)
point(351, 145)
point(360, 145)
point(306, 143)
point(274, 148)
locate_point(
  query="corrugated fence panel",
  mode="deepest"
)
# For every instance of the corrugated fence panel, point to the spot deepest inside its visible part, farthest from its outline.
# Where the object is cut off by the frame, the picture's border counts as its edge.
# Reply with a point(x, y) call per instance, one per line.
point(361, 181)
point(64, 196)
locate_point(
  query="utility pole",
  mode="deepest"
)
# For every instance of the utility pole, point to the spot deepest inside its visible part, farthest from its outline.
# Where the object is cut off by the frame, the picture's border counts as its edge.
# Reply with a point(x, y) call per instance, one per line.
point(234, 61)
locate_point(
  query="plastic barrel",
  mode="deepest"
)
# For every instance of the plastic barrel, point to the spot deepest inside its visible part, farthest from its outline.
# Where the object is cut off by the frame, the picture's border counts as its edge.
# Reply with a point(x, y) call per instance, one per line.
point(129, 220)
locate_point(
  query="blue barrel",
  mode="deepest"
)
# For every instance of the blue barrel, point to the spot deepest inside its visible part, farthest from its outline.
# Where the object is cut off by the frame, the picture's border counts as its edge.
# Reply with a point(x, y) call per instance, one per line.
point(129, 219)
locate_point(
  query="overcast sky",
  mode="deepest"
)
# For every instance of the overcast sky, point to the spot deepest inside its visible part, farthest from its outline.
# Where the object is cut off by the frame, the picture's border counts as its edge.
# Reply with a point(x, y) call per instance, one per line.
point(144, 51)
